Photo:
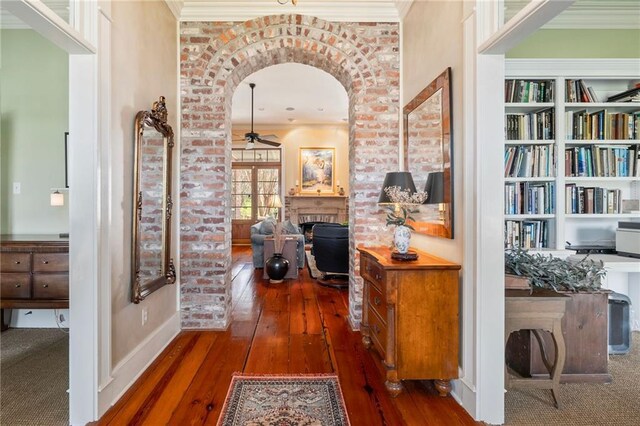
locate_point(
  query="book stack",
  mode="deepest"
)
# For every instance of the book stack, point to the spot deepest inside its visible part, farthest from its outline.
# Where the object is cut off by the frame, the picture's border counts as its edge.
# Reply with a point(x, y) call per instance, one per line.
point(526, 234)
point(601, 125)
point(602, 161)
point(529, 198)
point(577, 91)
point(529, 161)
point(631, 95)
point(592, 200)
point(525, 91)
point(533, 126)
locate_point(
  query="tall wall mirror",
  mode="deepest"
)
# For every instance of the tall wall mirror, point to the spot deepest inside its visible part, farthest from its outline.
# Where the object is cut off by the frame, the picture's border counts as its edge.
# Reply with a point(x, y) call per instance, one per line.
point(428, 149)
point(152, 266)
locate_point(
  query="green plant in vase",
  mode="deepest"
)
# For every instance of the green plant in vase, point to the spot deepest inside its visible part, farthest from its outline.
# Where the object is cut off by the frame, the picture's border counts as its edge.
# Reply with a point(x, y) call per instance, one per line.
point(405, 203)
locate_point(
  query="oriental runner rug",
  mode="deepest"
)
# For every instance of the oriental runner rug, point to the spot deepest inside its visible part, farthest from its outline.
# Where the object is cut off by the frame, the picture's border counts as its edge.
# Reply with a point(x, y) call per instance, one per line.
point(309, 400)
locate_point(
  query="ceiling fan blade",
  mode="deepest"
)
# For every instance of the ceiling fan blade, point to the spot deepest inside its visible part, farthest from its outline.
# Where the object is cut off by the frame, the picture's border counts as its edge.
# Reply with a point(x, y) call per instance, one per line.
point(268, 142)
point(271, 137)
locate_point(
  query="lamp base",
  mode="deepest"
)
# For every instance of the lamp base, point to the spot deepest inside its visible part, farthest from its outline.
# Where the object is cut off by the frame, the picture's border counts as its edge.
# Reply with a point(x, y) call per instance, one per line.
point(410, 255)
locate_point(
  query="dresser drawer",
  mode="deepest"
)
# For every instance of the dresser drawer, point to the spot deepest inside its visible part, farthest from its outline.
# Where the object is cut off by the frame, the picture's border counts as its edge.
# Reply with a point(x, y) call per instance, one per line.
point(15, 262)
point(378, 302)
point(372, 272)
point(378, 331)
point(51, 286)
point(15, 286)
point(50, 262)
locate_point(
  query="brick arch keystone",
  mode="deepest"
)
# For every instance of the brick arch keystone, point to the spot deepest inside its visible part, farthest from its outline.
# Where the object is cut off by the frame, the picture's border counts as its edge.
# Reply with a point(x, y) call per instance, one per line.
point(215, 58)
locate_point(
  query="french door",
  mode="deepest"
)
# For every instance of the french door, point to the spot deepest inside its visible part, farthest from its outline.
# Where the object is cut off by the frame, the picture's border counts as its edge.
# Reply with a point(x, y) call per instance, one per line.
point(255, 181)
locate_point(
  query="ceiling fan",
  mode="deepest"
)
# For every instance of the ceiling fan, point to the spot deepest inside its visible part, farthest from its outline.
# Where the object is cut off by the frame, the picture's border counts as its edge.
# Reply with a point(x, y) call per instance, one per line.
point(252, 137)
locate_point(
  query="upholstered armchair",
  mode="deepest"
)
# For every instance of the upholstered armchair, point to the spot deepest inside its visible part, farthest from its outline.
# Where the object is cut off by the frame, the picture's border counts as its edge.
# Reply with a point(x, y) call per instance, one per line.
point(261, 230)
point(331, 249)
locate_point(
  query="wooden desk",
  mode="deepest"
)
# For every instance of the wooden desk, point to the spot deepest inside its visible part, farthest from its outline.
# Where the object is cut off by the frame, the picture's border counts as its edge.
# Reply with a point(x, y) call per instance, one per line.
point(540, 310)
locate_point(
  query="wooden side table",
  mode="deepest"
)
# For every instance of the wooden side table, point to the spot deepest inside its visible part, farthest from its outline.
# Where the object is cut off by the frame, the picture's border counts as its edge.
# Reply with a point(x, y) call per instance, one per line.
point(289, 252)
point(540, 310)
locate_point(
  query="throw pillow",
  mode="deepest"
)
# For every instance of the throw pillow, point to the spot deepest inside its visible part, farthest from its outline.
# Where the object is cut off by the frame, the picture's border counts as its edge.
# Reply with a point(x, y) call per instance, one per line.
point(289, 228)
point(268, 226)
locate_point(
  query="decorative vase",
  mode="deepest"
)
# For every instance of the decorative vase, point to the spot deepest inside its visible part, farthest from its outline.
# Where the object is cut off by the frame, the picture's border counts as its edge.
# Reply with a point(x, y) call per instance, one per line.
point(401, 237)
point(276, 267)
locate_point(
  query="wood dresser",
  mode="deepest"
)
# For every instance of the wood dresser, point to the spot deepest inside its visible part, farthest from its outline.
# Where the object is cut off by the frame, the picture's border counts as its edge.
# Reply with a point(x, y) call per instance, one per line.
point(411, 316)
point(34, 272)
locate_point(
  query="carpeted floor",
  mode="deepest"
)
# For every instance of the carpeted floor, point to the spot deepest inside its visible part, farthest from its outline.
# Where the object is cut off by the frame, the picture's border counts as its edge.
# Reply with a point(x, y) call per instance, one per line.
point(34, 377)
point(617, 403)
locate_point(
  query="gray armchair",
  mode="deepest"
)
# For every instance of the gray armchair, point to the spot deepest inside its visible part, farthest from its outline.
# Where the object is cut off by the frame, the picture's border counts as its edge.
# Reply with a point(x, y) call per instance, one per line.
point(261, 230)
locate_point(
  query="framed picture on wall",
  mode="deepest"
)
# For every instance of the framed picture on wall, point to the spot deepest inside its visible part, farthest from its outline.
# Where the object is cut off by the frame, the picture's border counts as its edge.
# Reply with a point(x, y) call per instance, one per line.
point(317, 170)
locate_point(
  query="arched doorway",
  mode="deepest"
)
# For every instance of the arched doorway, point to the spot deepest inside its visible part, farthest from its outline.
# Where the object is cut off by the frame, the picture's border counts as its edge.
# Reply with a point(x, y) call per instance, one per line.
point(216, 57)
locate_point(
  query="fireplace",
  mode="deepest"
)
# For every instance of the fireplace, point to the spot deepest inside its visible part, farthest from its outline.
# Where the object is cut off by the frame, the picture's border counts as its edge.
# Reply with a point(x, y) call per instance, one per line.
point(317, 208)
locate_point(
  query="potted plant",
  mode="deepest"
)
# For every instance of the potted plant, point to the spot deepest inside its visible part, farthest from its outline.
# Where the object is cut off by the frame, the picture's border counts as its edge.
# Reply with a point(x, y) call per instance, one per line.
point(404, 204)
point(585, 323)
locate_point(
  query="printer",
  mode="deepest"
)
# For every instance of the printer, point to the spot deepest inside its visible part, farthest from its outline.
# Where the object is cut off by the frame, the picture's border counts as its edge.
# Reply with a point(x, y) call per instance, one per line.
point(628, 239)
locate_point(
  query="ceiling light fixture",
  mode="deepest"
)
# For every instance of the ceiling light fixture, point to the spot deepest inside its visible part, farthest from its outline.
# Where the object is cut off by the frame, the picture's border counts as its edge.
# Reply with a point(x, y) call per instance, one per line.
point(290, 108)
point(294, 2)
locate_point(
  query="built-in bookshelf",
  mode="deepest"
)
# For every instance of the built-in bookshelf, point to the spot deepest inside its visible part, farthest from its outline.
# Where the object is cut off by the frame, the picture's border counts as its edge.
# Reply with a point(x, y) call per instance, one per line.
point(572, 151)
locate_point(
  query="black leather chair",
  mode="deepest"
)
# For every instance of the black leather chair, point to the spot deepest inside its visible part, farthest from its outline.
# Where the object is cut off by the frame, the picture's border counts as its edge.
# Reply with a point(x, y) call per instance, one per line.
point(331, 250)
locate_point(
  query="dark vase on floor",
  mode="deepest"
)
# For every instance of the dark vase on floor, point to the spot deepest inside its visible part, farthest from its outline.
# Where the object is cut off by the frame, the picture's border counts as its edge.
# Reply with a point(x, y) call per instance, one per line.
point(277, 267)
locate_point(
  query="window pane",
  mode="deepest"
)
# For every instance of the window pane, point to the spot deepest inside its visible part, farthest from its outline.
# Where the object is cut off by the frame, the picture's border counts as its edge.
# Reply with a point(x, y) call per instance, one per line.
point(267, 175)
point(236, 155)
point(261, 155)
point(247, 155)
point(273, 155)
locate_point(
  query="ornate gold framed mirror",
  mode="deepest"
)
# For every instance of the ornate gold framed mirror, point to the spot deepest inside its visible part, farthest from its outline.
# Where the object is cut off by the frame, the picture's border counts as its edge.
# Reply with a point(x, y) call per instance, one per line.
point(428, 151)
point(152, 266)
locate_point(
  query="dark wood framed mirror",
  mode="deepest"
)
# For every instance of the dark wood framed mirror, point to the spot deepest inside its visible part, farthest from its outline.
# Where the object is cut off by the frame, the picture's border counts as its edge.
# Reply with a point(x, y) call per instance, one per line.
point(152, 266)
point(428, 152)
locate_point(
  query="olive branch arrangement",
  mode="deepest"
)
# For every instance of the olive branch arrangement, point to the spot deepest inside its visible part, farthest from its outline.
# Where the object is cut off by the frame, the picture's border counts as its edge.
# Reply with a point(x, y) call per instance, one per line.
point(404, 204)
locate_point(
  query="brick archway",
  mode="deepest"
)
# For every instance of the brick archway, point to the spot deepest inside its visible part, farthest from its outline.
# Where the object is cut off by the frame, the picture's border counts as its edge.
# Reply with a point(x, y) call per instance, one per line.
point(215, 58)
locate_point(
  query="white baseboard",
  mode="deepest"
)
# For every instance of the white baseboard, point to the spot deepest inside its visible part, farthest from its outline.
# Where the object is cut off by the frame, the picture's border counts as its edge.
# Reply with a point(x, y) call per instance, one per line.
point(133, 365)
point(465, 394)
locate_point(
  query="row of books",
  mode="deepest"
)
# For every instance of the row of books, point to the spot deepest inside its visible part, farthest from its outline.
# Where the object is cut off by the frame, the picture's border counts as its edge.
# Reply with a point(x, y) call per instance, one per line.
point(602, 161)
point(602, 125)
point(529, 198)
point(592, 200)
point(519, 91)
point(577, 91)
point(529, 161)
point(534, 125)
point(526, 234)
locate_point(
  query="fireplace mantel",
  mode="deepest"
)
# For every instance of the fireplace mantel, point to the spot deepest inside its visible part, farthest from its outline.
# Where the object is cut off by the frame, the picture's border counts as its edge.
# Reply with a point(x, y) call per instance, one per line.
point(317, 208)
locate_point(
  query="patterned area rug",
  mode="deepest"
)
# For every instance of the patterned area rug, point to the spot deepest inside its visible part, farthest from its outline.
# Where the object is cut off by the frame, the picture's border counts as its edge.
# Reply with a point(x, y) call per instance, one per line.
point(309, 400)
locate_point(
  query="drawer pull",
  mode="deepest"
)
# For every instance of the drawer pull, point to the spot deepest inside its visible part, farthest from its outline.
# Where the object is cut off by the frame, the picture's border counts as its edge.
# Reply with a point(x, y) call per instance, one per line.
point(377, 301)
point(367, 268)
point(17, 262)
point(45, 285)
point(18, 285)
point(376, 328)
point(46, 262)
point(378, 277)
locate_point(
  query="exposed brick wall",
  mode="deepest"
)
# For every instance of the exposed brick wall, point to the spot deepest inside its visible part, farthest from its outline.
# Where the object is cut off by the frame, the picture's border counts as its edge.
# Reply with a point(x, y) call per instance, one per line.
point(215, 58)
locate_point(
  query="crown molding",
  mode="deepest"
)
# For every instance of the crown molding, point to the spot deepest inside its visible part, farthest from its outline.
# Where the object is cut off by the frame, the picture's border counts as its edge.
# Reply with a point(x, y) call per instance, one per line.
point(175, 6)
point(572, 67)
point(609, 19)
point(340, 11)
point(403, 7)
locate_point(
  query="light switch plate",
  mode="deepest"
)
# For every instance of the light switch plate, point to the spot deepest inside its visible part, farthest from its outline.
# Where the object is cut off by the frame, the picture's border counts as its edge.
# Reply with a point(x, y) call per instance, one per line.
point(16, 188)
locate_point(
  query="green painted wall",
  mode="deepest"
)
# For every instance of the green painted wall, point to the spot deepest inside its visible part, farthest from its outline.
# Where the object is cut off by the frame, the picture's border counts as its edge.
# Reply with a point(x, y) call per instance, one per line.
point(34, 92)
point(579, 44)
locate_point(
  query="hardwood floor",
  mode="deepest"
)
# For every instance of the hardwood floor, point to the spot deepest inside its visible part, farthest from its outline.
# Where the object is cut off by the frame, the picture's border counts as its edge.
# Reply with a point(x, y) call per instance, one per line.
point(295, 327)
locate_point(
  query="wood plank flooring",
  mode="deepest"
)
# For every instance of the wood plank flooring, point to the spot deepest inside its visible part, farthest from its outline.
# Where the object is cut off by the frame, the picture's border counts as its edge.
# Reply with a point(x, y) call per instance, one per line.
point(295, 327)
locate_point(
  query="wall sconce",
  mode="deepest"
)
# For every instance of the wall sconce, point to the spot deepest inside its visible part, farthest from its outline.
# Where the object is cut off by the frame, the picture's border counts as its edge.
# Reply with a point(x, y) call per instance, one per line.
point(56, 198)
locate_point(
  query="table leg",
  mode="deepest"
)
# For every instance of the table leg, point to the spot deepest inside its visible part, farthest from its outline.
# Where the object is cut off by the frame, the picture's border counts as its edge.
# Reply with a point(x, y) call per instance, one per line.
point(558, 365)
point(5, 325)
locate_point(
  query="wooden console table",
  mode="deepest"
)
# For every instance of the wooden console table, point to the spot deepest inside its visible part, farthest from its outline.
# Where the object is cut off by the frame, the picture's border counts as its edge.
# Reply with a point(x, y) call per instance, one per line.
point(540, 310)
point(410, 316)
point(34, 273)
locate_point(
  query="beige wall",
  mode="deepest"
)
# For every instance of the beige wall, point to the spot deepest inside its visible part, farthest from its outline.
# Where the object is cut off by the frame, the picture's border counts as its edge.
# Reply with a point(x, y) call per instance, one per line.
point(319, 136)
point(144, 67)
point(424, 27)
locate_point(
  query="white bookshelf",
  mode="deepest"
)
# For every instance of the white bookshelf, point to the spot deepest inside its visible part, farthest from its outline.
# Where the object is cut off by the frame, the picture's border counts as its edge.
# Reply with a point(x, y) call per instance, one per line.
point(606, 77)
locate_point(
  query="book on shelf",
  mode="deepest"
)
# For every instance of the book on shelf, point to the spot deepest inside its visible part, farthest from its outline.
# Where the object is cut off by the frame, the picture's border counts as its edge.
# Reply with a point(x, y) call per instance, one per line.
point(526, 234)
point(602, 125)
point(631, 95)
point(526, 91)
point(529, 198)
point(537, 125)
point(602, 161)
point(592, 200)
point(577, 91)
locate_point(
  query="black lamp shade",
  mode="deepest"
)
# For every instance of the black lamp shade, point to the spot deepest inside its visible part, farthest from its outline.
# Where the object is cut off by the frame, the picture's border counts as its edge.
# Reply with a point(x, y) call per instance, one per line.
point(402, 179)
point(435, 188)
